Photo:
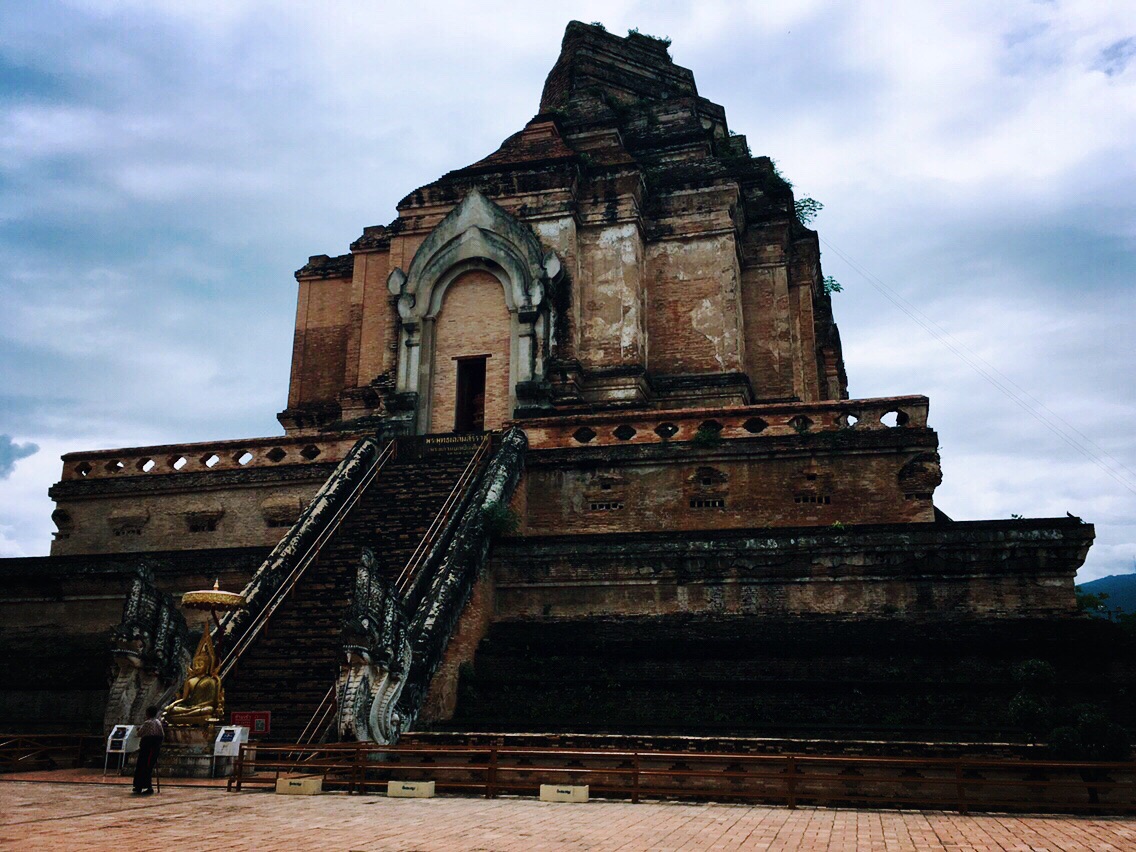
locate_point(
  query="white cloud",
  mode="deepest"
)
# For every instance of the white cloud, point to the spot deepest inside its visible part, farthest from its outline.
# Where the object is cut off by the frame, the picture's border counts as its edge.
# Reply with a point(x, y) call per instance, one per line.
point(165, 166)
point(25, 510)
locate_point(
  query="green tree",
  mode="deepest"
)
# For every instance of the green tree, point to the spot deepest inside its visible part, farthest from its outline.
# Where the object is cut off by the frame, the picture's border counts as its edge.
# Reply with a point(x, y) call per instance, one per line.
point(807, 209)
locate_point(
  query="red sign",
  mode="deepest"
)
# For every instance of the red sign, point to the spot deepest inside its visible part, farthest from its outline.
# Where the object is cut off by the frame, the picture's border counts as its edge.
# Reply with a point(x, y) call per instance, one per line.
point(257, 721)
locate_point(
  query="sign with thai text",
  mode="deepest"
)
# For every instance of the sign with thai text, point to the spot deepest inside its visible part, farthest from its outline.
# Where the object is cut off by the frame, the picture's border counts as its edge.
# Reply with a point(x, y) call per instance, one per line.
point(257, 721)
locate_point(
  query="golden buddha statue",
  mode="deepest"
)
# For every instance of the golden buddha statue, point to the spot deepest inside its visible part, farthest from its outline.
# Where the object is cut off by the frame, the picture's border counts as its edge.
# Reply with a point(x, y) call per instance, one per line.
point(202, 700)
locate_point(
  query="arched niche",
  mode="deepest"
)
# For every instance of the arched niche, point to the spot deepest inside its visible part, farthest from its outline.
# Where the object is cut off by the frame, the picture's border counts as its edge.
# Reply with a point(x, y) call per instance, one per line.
point(474, 364)
point(477, 235)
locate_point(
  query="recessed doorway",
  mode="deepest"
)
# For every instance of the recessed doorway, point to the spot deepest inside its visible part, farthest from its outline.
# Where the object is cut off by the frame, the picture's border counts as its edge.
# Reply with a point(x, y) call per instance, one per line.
point(469, 407)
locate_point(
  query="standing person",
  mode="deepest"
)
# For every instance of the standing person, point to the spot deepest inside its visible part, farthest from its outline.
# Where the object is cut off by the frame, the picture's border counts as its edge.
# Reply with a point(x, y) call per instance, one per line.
point(152, 733)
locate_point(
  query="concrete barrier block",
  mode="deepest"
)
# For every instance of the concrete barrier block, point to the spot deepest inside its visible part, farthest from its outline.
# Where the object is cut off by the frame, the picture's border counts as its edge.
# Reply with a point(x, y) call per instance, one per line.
point(564, 792)
point(299, 785)
point(410, 789)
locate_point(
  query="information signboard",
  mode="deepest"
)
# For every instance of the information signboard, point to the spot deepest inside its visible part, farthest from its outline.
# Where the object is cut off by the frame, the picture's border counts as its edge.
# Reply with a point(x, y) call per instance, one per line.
point(259, 722)
point(229, 739)
point(123, 739)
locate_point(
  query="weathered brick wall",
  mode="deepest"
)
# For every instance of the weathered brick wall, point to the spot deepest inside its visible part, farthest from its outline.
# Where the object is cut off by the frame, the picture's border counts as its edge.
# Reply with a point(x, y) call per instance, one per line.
point(191, 496)
point(769, 348)
point(472, 627)
point(691, 489)
point(804, 274)
point(473, 321)
point(915, 571)
point(693, 320)
point(765, 675)
point(56, 615)
point(610, 294)
point(323, 328)
point(372, 318)
point(195, 519)
point(560, 235)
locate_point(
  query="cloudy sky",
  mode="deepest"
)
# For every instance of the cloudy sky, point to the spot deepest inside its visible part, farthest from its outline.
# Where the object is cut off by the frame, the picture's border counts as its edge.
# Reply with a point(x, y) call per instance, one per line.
point(166, 166)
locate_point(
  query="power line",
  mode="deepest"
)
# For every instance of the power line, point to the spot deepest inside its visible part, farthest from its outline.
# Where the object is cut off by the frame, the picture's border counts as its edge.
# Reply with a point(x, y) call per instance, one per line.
point(1021, 397)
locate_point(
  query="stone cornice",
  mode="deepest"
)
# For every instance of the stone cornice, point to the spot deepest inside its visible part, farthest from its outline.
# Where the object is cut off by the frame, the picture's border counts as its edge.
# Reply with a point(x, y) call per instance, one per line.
point(178, 483)
point(910, 551)
point(844, 443)
point(72, 567)
point(321, 266)
point(374, 238)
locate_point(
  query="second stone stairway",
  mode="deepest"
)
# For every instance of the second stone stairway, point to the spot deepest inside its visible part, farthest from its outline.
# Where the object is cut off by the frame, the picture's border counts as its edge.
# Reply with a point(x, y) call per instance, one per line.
point(294, 660)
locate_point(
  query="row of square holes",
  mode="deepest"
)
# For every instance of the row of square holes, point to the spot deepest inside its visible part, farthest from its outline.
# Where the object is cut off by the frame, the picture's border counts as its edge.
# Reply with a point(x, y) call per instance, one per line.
point(276, 454)
point(711, 502)
point(695, 503)
point(666, 431)
point(755, 426)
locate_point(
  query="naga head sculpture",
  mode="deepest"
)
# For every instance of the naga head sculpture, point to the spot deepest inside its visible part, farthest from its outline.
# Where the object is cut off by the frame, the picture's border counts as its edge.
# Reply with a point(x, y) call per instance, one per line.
point(131, 642)
point(374, 611)
point(377, 655)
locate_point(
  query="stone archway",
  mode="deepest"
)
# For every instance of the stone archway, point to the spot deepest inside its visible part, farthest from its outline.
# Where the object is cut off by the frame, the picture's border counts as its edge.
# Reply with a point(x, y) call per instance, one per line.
point(476, 237)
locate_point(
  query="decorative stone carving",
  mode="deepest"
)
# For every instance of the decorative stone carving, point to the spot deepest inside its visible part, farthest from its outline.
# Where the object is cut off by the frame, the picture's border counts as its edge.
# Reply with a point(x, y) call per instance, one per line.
point(150, 651)
point(281, 511)
point(203, 516)
point(921, 475)
point(378, 657)
point(128, 521)
point(451, 569)
point(64, 524)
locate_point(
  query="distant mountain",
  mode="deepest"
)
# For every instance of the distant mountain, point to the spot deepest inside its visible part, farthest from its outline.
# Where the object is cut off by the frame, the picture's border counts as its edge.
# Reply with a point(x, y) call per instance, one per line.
point(1120, 588)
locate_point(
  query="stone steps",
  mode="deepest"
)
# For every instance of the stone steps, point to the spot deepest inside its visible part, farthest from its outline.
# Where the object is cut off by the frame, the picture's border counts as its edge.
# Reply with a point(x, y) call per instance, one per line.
point(291, 666)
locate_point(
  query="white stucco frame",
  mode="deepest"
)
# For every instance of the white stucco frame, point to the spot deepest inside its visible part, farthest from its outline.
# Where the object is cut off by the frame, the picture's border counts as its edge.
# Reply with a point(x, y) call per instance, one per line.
point(476, 235)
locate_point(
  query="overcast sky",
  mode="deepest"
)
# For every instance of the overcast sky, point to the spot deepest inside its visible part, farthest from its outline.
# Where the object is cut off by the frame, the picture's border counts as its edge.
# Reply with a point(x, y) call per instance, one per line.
point(166, 166)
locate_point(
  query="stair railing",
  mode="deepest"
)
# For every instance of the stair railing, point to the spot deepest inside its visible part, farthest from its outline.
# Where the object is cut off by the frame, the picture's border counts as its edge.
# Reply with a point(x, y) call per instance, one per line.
point(254, 628)
point(325, 712)
point(321, 719)
point(408, 578)
point(453, 566)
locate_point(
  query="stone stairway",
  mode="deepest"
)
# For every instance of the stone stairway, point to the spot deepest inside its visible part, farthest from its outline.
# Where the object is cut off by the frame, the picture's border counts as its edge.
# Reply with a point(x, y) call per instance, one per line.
point(295, 660)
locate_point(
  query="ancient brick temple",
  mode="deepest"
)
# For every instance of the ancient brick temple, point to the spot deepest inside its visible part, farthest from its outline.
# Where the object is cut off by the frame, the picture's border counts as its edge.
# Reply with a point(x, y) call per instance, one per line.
point(679, 521)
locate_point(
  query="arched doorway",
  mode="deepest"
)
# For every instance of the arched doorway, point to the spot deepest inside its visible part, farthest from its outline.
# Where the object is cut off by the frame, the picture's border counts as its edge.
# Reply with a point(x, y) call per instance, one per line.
point(498, 315)
point(472, 338)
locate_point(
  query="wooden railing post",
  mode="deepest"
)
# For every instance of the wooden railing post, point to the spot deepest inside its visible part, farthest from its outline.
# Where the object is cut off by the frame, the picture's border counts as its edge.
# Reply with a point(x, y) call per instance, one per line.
point(791, 781)
point(238, 769)
point(358, 772)
point(960, 787)
point(635, 780)
point(491, 774)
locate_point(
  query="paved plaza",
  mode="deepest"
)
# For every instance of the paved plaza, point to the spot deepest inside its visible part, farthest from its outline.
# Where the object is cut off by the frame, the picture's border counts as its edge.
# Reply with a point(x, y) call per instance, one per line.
point(59, 817)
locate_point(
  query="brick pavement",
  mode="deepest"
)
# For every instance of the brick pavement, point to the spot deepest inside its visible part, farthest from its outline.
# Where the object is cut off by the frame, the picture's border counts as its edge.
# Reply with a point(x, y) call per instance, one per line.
point(78, 817)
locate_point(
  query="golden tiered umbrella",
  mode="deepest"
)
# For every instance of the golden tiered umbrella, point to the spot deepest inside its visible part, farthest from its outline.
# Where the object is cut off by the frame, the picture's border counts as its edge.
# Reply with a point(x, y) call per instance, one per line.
point(213, 600)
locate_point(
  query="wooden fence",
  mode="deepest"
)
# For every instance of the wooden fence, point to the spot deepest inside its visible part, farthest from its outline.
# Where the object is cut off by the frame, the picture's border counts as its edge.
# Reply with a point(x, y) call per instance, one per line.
point(29, 752)
point(961, 784)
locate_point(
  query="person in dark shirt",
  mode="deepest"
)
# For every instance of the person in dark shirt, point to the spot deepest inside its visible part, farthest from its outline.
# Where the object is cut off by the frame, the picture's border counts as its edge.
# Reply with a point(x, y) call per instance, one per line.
point(152, 733)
